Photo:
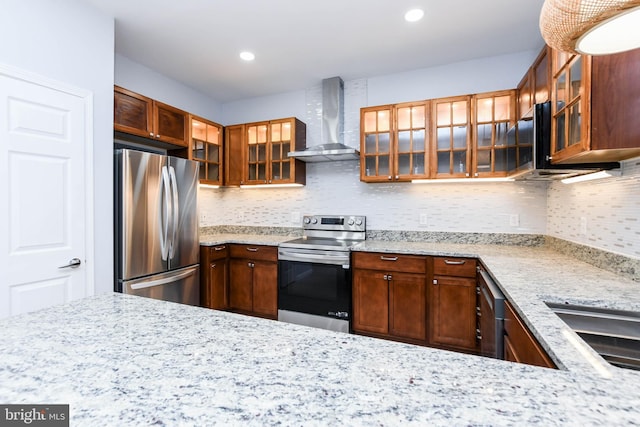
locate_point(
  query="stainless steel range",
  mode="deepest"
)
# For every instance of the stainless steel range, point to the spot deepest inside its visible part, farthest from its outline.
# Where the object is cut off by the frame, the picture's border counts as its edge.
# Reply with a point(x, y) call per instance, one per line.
point(314, 272)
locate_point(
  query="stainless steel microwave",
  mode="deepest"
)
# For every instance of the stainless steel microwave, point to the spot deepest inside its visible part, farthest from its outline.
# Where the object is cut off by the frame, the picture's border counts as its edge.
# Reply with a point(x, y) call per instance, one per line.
point(529, 150)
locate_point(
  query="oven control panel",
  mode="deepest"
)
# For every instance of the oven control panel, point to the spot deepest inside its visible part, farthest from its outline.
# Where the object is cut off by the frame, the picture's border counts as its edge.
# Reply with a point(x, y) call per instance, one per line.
point(334, 222)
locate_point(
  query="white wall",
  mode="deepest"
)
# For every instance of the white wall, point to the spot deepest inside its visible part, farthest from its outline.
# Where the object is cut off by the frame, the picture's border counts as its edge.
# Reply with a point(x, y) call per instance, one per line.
point(474, 76)
point(69, 41)
point(336, 188)
point(145, 81)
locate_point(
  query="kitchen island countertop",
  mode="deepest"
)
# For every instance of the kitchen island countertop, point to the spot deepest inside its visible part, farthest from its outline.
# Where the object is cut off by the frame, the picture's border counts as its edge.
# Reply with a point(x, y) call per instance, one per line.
point(125, 360)
point(121, 360)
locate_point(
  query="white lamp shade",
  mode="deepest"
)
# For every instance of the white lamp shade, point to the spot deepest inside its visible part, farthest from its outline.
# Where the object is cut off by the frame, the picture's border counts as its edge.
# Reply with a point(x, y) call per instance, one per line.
point(592, 27)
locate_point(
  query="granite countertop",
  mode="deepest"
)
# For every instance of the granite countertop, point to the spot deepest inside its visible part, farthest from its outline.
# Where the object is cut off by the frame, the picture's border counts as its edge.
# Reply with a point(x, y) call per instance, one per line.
point(125, 360)
point(122, 360)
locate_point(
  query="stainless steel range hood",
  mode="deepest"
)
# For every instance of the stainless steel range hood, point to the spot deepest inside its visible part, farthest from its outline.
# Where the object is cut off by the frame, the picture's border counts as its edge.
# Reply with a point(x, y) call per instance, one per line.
point(332, 131)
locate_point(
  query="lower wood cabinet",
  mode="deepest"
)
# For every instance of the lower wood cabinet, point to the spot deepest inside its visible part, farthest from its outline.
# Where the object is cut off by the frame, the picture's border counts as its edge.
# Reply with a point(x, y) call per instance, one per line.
point(453, 304)
point(519, 344)
point(214, 276)
point(389, 296)
point(253, 283)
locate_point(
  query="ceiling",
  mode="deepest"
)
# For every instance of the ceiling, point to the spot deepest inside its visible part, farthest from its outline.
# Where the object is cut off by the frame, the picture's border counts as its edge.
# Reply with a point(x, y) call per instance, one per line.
point(299, 43)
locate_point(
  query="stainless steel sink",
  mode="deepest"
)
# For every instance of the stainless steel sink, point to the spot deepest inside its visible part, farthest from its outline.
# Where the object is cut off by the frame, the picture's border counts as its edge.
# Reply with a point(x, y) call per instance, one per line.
point(613, 334)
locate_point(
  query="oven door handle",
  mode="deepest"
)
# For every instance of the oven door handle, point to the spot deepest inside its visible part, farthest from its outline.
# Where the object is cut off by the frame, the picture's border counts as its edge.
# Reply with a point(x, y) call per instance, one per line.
point(325, 258)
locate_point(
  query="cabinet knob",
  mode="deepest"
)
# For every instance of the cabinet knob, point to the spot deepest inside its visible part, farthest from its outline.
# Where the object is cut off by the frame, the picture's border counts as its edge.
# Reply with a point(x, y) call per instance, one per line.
point(389, 177)
point(213, 265)
point(476, 174)
point(397, 177)
point(466, 174)
point(435, 281)
point(151, 134)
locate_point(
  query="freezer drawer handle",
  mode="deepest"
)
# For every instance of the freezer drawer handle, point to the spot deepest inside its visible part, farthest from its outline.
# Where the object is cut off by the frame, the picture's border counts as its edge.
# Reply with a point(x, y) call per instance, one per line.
point(163, 281)
point(73, 263)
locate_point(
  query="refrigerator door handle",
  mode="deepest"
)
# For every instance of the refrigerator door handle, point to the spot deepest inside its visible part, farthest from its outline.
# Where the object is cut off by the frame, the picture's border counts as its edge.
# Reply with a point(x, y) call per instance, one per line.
point(164, 280)
point(175, 210)
point(165, 208)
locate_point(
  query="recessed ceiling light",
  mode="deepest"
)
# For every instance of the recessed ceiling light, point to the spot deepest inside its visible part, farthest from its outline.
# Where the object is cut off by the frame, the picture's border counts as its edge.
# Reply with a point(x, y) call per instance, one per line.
point(414, 15)
point(247, 56)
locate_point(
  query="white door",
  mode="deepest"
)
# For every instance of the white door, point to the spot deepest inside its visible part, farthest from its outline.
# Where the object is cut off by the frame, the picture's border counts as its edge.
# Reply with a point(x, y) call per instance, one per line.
point(45, 132)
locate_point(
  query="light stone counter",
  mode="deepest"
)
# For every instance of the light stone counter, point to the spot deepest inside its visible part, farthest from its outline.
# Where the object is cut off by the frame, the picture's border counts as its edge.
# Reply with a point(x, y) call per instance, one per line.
point(121, 360)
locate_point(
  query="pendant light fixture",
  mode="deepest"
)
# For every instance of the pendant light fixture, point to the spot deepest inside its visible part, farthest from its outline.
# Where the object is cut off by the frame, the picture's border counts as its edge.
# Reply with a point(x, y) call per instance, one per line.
point(591, 27)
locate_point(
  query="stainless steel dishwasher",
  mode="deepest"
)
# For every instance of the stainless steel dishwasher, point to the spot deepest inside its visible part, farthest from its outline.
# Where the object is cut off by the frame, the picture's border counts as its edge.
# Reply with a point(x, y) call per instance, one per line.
point(491, 316)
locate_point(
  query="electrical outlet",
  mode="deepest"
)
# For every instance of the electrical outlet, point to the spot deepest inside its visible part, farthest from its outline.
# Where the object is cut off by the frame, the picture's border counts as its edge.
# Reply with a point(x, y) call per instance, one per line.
point(294, 217)
point(583, 225)
point(423, 219)
point(514, 220)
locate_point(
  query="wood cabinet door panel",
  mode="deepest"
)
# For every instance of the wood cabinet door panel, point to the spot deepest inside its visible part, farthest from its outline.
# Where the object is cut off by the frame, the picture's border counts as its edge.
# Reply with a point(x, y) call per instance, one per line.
point(265, 288)
point(132, 112)
point(407, 305)
point(214, 277)
point(453, 312)
point(219, 284)
point(370, 302)
point(234, 171)
point(240, 285)
point(522, 345)
point(171, 124)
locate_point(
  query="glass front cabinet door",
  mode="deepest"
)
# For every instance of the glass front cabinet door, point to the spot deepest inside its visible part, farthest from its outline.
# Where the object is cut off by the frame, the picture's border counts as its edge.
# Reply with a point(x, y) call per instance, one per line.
point(268, 145)
point(452, 137)
point(394, 142)
point(206, 148)
point(494, 114)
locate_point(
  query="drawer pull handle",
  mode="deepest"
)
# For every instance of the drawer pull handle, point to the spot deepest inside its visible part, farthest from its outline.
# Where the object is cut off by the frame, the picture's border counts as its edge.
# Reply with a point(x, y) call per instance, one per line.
point(252, 249)
point(449, 262)
point(219, 248)
point(389, 258)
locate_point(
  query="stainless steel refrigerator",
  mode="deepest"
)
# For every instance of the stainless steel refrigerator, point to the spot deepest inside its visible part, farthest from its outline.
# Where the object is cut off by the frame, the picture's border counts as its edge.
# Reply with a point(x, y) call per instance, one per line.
point(156, 226)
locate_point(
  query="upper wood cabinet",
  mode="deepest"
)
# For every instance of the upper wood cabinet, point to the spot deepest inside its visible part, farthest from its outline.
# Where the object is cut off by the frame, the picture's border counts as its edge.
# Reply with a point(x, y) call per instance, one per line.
point(206, 148)
point(138, 115)
point(452, 137)
point(595, 105)
point(494, 113)
point(541, 73)
point(394, 142)
point(257, 152)
point(534, 86)
point(234, 155)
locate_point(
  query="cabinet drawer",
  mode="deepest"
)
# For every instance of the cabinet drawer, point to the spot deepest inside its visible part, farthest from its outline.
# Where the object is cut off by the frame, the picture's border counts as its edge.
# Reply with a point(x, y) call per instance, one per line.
point(218, 251)
point(389, 262)
point(256, 252)
point(449, 266)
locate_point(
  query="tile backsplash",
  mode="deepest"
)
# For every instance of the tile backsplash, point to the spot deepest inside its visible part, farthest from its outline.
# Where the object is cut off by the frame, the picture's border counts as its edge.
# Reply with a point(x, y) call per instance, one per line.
point(602, 214)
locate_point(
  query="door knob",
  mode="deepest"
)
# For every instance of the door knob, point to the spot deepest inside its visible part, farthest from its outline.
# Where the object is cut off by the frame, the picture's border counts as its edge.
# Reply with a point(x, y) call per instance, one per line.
point(73, 263)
